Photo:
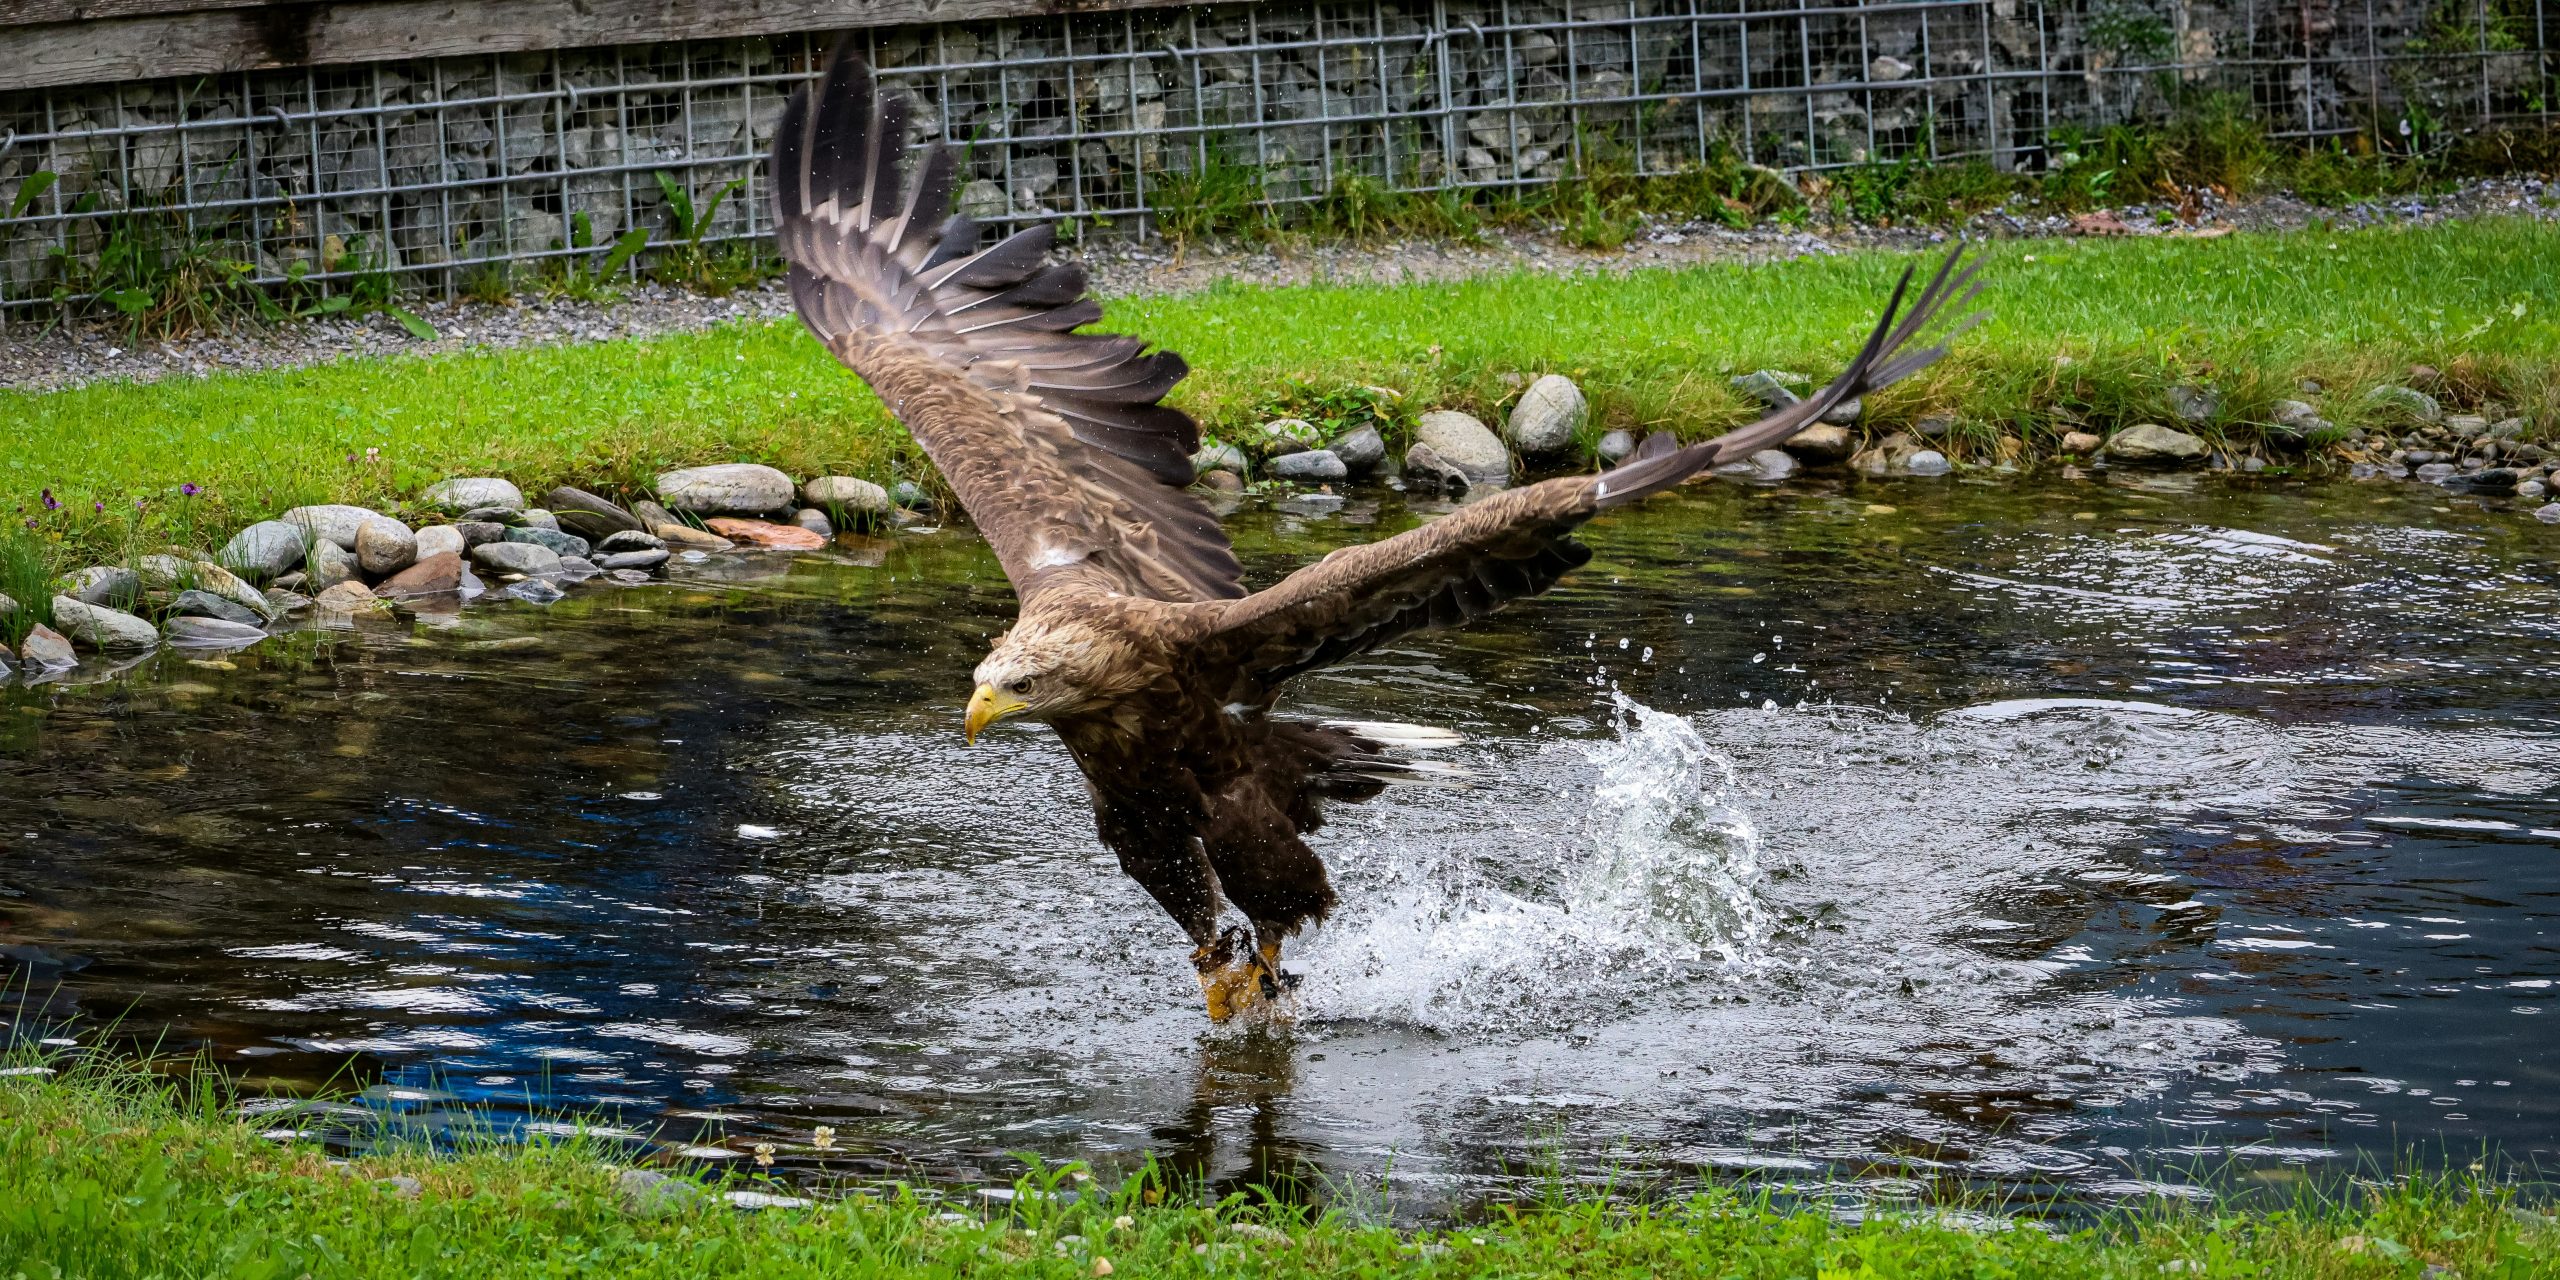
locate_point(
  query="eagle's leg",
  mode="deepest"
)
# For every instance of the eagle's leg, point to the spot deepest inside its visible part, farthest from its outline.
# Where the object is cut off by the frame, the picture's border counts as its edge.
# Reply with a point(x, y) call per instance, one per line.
point(1231, 978)
point(1159, 850)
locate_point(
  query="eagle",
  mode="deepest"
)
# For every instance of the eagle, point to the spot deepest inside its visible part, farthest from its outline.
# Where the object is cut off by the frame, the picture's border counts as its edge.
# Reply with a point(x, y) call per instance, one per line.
point(1136, 640)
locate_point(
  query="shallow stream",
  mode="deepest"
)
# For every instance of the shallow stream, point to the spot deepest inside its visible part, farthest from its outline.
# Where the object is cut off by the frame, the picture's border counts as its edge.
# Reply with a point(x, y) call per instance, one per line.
point(2067, 842)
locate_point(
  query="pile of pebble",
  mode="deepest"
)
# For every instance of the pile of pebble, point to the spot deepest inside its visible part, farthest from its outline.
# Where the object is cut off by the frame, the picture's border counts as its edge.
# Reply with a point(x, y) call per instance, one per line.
point(476, 536)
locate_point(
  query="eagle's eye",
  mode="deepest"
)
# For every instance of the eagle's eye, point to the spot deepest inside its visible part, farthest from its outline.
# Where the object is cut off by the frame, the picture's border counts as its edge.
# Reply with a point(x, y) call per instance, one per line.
point(1022, 685)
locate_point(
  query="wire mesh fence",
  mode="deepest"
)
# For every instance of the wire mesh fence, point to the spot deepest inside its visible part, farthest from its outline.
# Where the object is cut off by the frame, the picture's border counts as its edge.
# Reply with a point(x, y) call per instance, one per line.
point(422, 174)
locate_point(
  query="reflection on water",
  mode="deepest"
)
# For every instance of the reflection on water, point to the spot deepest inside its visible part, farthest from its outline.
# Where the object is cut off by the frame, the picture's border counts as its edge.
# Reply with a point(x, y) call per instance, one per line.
point(1899, 839)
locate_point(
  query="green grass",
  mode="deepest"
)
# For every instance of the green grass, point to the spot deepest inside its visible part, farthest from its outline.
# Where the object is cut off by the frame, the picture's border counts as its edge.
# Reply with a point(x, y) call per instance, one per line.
point(112, 1172)
point(2084, 332)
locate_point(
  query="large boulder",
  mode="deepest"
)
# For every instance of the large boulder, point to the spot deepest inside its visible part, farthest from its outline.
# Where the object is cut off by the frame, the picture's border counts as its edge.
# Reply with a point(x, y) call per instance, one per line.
point(466, 492)
point(1459, 440)
point(113, 586)
point(194, 632)
point(1548, 418)
point(587, 515)
point(735, 487)
point(328, 566)
point(385, 547)
point(193, 603)
point(264, 550)
point(435, 575)
point(441, 539)
point(1822, 442)
point(46, 649)
point(566, 544)
point(1361, 449)
point(1309, 466)
point(334, 522)
point(99, 627)
point(2150, 444)
point(847, 496)
point(516, 557)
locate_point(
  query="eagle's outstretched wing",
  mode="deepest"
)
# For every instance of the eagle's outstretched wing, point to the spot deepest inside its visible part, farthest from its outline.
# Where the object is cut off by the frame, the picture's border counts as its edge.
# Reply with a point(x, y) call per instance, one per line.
point(1055, 441)
point(1519, 542)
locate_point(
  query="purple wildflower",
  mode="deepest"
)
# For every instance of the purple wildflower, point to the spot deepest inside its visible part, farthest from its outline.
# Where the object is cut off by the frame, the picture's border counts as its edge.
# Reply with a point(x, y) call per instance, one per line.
point(99, 506)
point(189, 489)
point(49, 503)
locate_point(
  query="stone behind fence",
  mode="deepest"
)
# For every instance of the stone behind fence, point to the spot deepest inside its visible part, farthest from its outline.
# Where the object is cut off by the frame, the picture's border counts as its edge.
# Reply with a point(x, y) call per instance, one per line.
point(418, 173)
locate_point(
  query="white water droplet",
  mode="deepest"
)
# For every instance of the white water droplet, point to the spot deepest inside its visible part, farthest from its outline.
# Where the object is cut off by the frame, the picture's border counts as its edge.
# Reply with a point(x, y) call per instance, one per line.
point(1622, 642)
point(1758, 658)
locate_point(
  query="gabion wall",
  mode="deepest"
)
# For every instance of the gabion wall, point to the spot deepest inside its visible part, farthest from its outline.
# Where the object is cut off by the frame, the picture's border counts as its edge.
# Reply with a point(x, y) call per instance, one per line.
point(426, 170)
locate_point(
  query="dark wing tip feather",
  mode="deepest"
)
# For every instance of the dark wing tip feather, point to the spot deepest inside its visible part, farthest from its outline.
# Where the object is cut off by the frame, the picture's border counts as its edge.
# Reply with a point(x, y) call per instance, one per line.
point(1880, 363)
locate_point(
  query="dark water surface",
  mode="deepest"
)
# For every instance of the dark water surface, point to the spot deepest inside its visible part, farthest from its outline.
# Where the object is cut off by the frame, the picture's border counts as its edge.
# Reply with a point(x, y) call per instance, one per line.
point(2056, 841)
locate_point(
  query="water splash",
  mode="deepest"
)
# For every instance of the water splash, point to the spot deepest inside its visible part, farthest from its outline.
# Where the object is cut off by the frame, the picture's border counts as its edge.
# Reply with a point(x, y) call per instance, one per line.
point(1659, 886)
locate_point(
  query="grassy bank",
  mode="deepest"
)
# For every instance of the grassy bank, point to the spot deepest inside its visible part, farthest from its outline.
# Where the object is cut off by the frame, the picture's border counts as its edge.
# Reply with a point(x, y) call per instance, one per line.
point(2091, 333)
point(112, 1173)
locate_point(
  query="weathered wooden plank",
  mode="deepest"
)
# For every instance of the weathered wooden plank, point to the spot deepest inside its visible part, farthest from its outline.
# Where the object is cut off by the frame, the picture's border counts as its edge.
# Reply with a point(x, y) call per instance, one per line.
point(208, 41)
point(19, 13)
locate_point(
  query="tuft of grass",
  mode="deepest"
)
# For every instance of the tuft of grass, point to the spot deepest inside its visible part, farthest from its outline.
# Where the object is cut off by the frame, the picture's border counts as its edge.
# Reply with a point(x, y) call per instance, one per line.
point(28, 567)
point(111, 1171)
point(2083, 332)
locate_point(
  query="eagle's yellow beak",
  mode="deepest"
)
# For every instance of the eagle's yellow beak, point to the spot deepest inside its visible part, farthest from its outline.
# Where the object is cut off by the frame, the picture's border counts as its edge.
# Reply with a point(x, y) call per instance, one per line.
point(987, 706)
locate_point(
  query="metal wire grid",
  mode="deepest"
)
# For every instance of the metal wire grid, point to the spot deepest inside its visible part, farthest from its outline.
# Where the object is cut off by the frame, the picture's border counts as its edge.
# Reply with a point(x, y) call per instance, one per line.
point(431, 170)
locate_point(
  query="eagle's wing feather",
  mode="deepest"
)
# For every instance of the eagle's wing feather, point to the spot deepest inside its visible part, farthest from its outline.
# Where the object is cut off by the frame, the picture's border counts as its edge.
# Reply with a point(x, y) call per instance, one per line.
point(1056, 442)
point(1519, 542)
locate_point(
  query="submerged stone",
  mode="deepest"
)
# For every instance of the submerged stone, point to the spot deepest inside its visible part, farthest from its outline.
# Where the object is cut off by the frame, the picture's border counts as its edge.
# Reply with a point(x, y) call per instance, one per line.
point(213, 633)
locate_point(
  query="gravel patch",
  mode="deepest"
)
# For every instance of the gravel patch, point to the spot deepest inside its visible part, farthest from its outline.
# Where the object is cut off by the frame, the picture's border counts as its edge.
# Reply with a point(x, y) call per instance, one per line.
point(71, 355)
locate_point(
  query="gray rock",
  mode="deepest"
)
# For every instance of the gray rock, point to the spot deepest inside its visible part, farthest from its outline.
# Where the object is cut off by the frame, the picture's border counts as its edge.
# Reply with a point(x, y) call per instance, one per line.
point(1462, 442)
point(566, 544)
point(2405, 401)
point(628, 577)
point(99, 627)
point(640, 560)
point(284, 602)
point(1224, 482)
point(328, 566)
point(440, 539)
point(647, 1193)
point(577, 568)
point(205, 604)
point(2549, 514)
point(1927, 462)
point(2494, 480)
point(910, 495)
point(201, 632)
point(2438, 472)
point(2466, 426)
point(516, 557)
point(385, 547)
point(735, 488)
point(110, 585)
point(478, 532)
point(1286, 435)
point(465, 493)
point(1361, 449)
point(1931, 428)
point(588, 516)
point(2506, 428)
point(1616, 445)
point(1845, 413)
point(332, 522)
point(813, 520)
point(632, 541)
point(1769, 387)
point(264, 549)
point(2529, 490)
point(2294, 414)
point(7, 606)
point(1549, 417)
point(2194, 404)
point(46, 649)
point(211, 577)
point(537, 518)
point(535, 591)
point(849, 495)
point(1424, 467)
point(2080, 443)
point(1822, 442)
point(1773, 464)
point(1313, 466)
point(1217, 457)
point(2149, 442)
point(508, 516)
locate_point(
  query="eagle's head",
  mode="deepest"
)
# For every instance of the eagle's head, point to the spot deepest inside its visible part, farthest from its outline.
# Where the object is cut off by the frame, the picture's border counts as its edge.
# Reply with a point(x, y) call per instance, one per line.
point(1044, 669)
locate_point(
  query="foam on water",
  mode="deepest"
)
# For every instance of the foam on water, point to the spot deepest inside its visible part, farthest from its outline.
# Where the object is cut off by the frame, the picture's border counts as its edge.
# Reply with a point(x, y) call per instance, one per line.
point(1660, 883)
